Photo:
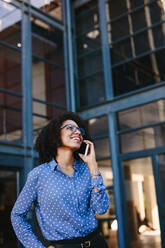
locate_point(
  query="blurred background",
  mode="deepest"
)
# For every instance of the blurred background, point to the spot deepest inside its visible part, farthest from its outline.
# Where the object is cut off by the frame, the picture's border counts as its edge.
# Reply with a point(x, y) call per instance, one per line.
point(103, 59)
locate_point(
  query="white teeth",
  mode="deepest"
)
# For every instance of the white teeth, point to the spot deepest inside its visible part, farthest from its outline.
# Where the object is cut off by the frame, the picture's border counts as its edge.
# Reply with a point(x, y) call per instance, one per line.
point(76, 138)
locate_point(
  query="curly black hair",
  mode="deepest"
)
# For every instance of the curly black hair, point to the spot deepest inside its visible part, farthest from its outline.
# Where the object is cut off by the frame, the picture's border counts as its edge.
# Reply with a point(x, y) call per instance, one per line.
point(49, 137)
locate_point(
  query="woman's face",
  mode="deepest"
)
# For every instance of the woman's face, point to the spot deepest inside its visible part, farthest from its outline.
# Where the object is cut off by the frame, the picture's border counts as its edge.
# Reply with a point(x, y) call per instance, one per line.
point(71, 135)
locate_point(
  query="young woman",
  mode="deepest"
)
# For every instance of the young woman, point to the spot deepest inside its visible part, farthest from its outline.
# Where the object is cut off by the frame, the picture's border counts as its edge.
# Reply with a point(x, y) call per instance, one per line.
point(66, 190)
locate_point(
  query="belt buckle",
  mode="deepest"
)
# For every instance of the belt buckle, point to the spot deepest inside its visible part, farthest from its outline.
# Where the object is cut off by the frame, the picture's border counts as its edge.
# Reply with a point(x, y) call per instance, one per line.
point(86, 244)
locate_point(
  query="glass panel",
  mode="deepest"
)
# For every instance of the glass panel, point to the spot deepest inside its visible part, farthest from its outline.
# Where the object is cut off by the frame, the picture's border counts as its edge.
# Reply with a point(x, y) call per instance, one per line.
point(102, 148)
point(47, 42)
point(107, 221)
point(140, 16)
point(142, 206)
point(143, 139)
point(98, 126)
point(116, 8)
point(52, 7)
point(121, 51)
point(10, 105)
point(10, 23)
point(144, 69)
point(47, 73)
point(89, 13)
point(92, 84)
point(143, 115)
point(161, 161)
point(90, 64)
point(88, 51)
point(8, 193)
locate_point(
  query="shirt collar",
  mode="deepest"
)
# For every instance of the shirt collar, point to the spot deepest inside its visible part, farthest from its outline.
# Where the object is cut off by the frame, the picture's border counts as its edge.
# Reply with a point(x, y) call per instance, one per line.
point(53, 164)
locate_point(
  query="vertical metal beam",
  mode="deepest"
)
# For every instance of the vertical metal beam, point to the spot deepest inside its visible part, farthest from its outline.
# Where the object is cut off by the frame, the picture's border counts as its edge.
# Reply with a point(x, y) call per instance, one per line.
point(155, 166)
point(27, 124)
point(70, 57)
point(66, 55)
point(105, 51)
point(119, 189)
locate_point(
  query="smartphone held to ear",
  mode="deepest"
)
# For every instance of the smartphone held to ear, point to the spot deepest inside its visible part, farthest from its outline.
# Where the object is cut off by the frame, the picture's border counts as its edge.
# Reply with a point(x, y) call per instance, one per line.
point(84, 149)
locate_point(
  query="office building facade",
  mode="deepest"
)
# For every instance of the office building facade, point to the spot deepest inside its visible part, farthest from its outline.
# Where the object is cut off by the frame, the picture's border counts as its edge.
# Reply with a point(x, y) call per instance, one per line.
point(103, 59)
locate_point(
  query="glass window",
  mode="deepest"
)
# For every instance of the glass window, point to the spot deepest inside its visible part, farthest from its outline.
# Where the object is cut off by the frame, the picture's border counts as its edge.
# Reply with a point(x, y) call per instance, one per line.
point(87, 65)
point(89, 12)
point(142, 139)
point(47, 73)
point(8, 194)
point(10, 23)
point(88, 51)
point(136, 54)
point(143, 115)
point(161, 159)
point(52, 7)
point(92, 84)
point(102, 148)
point(10, 104)
point(143, 217)
point(98, 126)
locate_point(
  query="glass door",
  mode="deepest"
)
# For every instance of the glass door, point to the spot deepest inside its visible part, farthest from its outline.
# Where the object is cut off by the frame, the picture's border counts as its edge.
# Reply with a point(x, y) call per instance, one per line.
point(143, 216)
point(8, 194)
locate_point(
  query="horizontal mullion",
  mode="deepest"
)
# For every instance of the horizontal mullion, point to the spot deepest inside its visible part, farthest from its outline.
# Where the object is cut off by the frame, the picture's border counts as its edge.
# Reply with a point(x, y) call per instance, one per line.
point(6, 44)
point(131, 11)
point(142, 153)
point(10, 92)
point(130, 130)
point(86, 12)
point(89, 53)
point(137, 32)
point(48, 61)
point(49, 103)
point(138, 57)
point(90, 75)
point(10, 108)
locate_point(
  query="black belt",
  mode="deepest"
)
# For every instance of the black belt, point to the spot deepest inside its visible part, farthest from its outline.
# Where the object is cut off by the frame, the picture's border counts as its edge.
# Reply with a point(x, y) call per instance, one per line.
point(80, 242)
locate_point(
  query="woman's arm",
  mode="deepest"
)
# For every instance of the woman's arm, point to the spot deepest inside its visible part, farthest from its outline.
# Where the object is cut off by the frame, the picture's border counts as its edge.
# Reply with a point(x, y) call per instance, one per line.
point(20, 210)
point(99, 196)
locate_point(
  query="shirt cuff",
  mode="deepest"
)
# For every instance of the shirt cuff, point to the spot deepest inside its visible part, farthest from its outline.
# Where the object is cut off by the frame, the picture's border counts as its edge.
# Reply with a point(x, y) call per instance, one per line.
point(97, 182)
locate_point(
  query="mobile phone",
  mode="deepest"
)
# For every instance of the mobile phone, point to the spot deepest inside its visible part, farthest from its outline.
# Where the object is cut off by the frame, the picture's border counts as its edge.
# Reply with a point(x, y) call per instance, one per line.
point(84, 149)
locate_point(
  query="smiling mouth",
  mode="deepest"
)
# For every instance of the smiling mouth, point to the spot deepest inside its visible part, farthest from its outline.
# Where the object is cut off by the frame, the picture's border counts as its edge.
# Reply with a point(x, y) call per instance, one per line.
point(76, 138)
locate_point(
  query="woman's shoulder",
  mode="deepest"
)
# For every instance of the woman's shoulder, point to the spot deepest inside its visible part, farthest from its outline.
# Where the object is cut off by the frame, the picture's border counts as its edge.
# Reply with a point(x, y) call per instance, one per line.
point(36, 171)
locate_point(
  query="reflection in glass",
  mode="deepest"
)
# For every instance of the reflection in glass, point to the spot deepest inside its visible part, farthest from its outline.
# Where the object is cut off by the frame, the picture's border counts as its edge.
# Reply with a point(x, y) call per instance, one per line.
point(52, 7)
point(142, 115)
point(47, 42)
point(161, 161)
point(102, 148)
point(92, 90)
point(98, 126)
point(136, 40)
point(142, 206)
point(7, 198)
point(88, 51)
point(10, 25)
point(10, 105)
point(143, 139)
point(47, 76)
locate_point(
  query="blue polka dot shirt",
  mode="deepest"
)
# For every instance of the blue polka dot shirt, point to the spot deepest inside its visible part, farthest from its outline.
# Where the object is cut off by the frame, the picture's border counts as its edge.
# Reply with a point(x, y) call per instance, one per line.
point(65, 206)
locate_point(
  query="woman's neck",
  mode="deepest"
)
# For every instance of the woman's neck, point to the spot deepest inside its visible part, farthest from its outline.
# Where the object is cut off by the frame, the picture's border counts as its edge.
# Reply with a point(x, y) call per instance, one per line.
point(64, 157)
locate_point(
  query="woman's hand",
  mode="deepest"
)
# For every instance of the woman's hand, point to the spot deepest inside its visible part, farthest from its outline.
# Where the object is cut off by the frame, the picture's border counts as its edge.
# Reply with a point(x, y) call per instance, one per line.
point(50, 246)
point(90, 158)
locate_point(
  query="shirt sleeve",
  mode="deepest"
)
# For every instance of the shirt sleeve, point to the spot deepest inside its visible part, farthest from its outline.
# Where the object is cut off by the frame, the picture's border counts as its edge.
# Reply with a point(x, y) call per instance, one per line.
point(20, 210)
point(100, 199)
